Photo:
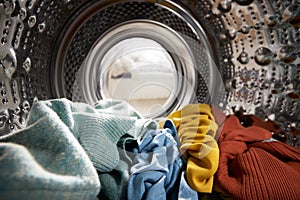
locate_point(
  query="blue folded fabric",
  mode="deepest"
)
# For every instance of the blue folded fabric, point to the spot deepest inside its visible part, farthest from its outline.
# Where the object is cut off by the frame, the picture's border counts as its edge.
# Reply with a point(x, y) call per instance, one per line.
point(185, 191)
point(157, 166)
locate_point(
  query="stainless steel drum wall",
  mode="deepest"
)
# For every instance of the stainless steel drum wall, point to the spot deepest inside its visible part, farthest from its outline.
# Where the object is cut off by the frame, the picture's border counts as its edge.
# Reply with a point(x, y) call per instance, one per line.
point(98, 20)
point(254, 44)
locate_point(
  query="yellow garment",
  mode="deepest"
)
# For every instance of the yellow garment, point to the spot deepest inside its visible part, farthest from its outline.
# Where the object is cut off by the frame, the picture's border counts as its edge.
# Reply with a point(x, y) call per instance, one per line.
point(196, 130)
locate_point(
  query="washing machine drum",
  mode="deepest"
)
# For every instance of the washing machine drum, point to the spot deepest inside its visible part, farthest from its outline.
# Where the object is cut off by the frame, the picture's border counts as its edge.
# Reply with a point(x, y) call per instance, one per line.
point(156, 55)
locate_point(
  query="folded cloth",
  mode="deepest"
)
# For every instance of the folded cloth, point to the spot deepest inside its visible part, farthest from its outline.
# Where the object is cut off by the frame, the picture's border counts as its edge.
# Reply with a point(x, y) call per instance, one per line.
point(196, 130)
point(114, 183)
point(157, 166)
point(45, 161)
point(185, 191)
point(233, 130)
point(250, 168)
point(98, 129)
point(252, 120)
point(62, 138)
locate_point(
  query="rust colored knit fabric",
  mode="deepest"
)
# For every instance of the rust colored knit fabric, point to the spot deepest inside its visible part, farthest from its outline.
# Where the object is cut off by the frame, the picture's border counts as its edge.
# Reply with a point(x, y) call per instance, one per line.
point(252, 169)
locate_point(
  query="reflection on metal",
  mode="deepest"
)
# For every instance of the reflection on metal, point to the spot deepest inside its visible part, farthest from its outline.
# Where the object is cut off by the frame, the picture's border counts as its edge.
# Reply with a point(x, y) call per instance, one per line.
point(13, 98)
point(157, 60)
point(255, 46)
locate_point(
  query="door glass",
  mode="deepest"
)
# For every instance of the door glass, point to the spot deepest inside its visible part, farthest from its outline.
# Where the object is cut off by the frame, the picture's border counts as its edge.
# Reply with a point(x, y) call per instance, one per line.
point(141, 72)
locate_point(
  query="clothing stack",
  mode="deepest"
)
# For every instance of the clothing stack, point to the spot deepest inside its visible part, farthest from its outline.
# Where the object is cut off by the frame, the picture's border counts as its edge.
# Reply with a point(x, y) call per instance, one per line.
point(109, 151)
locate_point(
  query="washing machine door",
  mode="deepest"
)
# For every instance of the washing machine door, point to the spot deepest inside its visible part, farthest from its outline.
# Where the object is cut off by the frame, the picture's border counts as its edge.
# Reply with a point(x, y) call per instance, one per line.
point(156, 55)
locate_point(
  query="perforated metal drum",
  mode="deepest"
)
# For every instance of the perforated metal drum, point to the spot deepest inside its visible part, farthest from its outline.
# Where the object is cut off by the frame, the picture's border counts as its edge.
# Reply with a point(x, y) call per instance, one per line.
point(238, 55)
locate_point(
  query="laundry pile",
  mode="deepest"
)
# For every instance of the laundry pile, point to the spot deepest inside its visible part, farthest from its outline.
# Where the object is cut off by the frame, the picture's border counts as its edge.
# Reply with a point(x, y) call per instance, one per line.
point(109, 151)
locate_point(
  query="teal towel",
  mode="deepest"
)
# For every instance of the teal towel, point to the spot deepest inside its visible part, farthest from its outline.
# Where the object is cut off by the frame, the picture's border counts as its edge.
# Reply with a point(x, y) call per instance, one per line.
point(55, 156)
point(45, 161)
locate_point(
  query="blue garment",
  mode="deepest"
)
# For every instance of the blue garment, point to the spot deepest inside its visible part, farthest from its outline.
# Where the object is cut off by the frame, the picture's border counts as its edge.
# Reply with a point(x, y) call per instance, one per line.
point(185, 191)
point(157, 165)
point(55, 156)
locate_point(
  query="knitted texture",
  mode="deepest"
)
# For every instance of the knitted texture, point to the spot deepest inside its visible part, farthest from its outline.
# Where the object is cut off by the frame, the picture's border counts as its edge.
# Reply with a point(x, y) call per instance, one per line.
point(52, 156)
point(114, 183)
point(196, 131)
point(252, 169)
point(97, 130)
point(45, 161)
point(252, 120)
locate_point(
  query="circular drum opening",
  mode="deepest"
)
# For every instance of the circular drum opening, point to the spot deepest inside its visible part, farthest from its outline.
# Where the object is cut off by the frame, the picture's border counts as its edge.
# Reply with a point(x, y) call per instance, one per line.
point(141, 72)
point(157, 64)
point(140, 62)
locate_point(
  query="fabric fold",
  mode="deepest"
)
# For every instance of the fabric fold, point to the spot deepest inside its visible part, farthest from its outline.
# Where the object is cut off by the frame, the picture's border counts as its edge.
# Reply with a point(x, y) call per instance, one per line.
point(251, 168)
point(196, 131)
point(156, 166)
point(69, 141)
point(45, 160)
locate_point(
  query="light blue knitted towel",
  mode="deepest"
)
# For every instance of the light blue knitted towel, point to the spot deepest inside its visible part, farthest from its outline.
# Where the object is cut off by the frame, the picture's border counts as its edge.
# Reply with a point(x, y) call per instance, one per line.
point(57, 154)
